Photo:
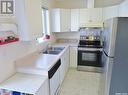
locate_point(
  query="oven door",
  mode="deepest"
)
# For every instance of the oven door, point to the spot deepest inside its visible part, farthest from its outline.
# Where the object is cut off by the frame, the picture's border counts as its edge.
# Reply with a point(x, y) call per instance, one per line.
point(89, 57)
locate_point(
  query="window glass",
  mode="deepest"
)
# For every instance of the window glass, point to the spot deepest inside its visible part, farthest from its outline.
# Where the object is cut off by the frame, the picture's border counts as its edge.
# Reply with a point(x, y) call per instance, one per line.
point(45, 20)
point(46, 25)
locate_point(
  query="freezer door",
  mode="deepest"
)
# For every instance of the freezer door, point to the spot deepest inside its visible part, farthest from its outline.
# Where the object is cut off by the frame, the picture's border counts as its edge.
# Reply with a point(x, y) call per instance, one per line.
point(109, 36)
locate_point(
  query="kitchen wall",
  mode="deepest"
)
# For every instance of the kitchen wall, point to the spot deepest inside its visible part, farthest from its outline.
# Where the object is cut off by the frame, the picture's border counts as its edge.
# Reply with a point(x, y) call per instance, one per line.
point(10, 52)
point(106, 3)
point(83, 3)
point(8, 19)
point(70, 4)
point(47, 3)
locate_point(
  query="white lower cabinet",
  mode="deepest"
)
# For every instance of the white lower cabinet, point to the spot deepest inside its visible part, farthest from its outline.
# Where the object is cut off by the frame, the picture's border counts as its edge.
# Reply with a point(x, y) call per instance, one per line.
point(44, 90)
point(67, 59)
point(64, 65)
point(73, 57)
point(27, 84)
point(62, 69)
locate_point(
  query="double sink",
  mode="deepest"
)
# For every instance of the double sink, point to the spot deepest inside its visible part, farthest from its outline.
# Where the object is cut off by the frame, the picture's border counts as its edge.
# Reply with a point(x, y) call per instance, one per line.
point(53, 50)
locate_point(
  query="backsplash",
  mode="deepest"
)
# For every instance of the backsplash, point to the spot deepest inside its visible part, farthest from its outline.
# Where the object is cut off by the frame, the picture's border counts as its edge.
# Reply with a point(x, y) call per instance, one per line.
point(67, 35)
point(87, 32)
point(67, 41)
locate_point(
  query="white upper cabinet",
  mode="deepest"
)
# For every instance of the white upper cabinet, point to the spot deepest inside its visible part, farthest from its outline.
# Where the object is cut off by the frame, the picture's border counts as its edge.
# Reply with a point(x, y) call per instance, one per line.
point(110, 12)
point(61, 20)
point(74, 19)
point(96, 15)
point(123, 7)
point(84, 16)
point(29, 18)
point(91, 15)
point(66, 20)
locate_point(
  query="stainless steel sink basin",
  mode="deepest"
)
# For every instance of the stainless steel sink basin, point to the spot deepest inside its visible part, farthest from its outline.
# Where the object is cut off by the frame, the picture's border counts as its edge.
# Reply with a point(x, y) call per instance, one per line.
point(56, 48)
point(53, 50)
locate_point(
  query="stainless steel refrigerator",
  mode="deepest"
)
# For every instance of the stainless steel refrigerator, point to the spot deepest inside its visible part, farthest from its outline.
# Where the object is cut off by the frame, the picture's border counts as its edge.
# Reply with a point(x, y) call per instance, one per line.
point(115, 57)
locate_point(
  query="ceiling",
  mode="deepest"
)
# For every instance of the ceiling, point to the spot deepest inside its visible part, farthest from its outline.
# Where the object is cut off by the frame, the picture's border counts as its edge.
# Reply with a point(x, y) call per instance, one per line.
point(104, 3)
point(98, 3)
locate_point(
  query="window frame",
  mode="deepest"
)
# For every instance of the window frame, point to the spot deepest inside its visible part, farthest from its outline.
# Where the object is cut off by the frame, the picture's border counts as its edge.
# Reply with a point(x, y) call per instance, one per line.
point(46, 21)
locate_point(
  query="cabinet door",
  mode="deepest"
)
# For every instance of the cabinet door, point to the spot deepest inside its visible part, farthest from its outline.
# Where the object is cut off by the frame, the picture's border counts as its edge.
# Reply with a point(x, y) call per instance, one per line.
point(123, 9)
point(84, 16)
point(62, 69)
point(64, 65)
point(67, 59)
point(95, 15)
point(55, 20)
point(74, 19)
point(92, 15)
point(110, 12)
point(44, 89)
point(65, 20)
point(73, 57)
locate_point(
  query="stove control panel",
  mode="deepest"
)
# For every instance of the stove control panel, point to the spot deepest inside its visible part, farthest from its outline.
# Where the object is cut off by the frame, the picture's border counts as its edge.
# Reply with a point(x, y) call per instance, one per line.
point(90, 38)
point(83, 37)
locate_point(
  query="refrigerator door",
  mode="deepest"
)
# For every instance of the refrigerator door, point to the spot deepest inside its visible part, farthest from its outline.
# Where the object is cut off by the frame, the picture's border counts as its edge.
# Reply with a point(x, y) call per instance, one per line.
point(106, 75)
point(109, 36)
point(119, 78)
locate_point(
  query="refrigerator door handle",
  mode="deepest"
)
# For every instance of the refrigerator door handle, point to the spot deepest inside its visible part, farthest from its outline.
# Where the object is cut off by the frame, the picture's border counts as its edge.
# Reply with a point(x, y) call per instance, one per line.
point(107, 55)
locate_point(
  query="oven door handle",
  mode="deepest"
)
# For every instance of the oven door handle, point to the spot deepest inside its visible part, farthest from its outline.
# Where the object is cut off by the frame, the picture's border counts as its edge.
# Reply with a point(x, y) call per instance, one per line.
point(90, 49)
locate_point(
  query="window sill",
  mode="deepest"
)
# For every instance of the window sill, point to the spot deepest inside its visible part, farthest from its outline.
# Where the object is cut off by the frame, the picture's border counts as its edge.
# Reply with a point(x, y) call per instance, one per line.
point(41, 40)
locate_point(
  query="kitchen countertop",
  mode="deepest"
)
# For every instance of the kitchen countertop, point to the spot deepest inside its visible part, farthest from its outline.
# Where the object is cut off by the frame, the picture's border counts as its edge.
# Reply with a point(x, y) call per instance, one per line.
point(39, 63)
point(33, 67)
point(24, 83)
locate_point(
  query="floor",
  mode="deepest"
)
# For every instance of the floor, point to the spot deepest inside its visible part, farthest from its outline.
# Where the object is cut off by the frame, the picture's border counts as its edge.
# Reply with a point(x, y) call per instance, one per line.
point(80, 83)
